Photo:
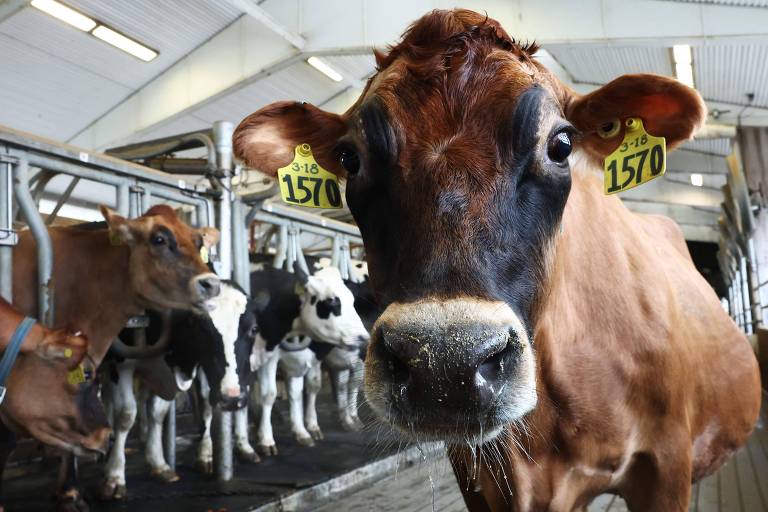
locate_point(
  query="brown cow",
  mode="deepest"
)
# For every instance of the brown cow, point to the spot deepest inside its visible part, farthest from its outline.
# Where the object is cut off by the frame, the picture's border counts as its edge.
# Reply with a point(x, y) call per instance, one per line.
point(39, 400)
point(526, 312)
point(103, 275)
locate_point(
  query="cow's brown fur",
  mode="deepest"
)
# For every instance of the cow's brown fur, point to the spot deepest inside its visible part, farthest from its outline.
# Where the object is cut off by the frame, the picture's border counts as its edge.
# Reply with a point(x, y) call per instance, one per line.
point(39, 400)
point(644, 383)
point(101, 280)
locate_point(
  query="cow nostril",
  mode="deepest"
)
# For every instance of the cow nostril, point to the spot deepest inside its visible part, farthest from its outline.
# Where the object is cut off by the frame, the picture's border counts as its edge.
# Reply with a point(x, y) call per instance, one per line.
point(493, 367)
point(398, 369)
point(209, 287)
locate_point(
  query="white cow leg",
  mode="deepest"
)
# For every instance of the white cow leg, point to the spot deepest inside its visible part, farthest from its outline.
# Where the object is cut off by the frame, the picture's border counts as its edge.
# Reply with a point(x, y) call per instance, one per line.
point(204, 458)
point(157, 411)
point(296, 405)
point(341, 378)
point(243, 449)
point(355, 383)
point(124, 409)
point(312, 382)
point(268, 391)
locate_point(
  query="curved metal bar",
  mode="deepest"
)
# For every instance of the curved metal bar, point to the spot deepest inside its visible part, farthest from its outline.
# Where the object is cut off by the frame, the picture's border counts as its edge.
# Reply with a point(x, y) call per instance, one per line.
point(145, 352)
point(43, 240)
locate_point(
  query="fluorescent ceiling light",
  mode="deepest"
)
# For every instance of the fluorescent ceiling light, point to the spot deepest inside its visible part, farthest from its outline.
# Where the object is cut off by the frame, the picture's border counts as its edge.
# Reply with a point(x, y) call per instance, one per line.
point(325, 69)
point(697, 180)
point(683, 63)
point(65, 14)
point(124, 43)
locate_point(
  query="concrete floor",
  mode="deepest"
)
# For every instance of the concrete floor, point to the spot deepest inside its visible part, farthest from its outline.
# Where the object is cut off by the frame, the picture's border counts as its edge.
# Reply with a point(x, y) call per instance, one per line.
point(740, 486)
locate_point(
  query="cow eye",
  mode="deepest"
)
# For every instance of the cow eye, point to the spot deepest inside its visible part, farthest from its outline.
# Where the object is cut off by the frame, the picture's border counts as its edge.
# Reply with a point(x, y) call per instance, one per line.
point(350, 161)
point(560, 147)
point(158, 240)
point(253, 331)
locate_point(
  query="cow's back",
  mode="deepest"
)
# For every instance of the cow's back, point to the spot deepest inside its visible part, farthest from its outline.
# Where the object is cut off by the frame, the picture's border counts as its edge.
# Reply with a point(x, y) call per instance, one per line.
point(634, 346)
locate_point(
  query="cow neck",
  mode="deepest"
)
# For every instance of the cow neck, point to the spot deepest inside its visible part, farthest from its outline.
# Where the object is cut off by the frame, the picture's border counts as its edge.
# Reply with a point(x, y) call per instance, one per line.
point(87, 261)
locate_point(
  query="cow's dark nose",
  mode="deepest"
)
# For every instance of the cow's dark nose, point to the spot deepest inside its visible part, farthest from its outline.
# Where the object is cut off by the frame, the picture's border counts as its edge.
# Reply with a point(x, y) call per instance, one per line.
point(208, 286)
point(460, 367)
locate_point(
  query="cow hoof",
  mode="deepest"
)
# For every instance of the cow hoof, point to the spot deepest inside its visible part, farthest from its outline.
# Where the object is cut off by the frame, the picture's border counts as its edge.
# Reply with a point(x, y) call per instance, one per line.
point(305, 441)
point(166, 475)
point(251, 456)
point(316, 434)
point(71, 501)
point(112, 490)
point(266, 449)
point(204, 466)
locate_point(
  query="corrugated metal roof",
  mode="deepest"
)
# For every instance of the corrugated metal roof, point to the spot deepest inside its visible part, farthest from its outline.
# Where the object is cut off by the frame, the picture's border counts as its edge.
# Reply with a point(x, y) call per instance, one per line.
point(299, 82)
point(720, 146)
point(731, 3)
point(48, 96)
point(726, 73)
point(56, 79)
point(594, 64)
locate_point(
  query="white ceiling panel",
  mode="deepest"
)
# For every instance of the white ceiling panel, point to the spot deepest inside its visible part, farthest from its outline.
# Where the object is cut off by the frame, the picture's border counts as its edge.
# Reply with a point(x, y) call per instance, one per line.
point(56, 79)
point(593, 64)
point(48, 96)
point(726, 73)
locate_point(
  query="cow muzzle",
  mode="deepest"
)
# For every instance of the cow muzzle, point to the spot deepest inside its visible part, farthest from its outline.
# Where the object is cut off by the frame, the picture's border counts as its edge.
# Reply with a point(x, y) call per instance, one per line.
point(205, 287)
point(450, 369)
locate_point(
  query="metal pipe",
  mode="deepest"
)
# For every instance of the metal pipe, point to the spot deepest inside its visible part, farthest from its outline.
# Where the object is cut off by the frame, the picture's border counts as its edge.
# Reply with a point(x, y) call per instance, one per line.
point(7, 235)
point(169, 436)
point(745, 295)
point(62, 199)
point(240, 263)
point(43, 240)
point(123, 200)
point(221, 430)
point(330, 232)
point(222, 140)
point(39, 146)
point(146, 200)
point(282, 247)
point(754, 286)
point(283, 210)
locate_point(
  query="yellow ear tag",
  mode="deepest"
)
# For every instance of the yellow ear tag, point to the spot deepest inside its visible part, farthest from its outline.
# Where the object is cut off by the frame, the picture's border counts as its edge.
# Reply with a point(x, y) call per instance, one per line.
point(298, 289)
point(115, 238)
point(640, 158)
point(67, 352)
point(76, 376)
point(204, 254)
point(304, 183)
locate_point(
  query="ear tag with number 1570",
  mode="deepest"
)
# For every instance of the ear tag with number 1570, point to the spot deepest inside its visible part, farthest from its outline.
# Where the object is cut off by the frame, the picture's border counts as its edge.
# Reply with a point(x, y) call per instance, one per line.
point(304, 183)
point(639, 158)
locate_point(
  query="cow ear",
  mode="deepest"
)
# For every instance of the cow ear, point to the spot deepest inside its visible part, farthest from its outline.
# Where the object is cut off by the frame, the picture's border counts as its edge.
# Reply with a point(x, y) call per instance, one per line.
point(119, 227)
point(266, 139)
point(210, 236)
point(667, 108)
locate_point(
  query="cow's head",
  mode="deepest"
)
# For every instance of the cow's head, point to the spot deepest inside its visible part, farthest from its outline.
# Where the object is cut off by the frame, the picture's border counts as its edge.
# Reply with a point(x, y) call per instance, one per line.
point(166, 267)
point(327, 309)
point(227, 364)
point(43, 403)
point(457, 161)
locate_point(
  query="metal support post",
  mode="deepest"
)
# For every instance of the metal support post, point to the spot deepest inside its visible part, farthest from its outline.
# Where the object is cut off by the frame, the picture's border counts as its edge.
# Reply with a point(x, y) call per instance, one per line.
point(754, 286)
point(8, 237)
point(221, 430)
point(169, 436)
point(43, 240)
point(745, 295)
point(240, 263)
point(222, 420)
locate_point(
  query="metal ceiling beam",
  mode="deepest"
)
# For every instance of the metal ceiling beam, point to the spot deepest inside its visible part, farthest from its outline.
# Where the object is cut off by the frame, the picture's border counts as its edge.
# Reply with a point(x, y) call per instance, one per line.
point(245, 50)
point(252, 9)
point(10, 7)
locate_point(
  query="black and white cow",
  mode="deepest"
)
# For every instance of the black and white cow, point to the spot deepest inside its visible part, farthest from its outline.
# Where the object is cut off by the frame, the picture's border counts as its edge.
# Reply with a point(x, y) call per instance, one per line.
point(220, 343)
point(344, 366)
point(299, 307)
